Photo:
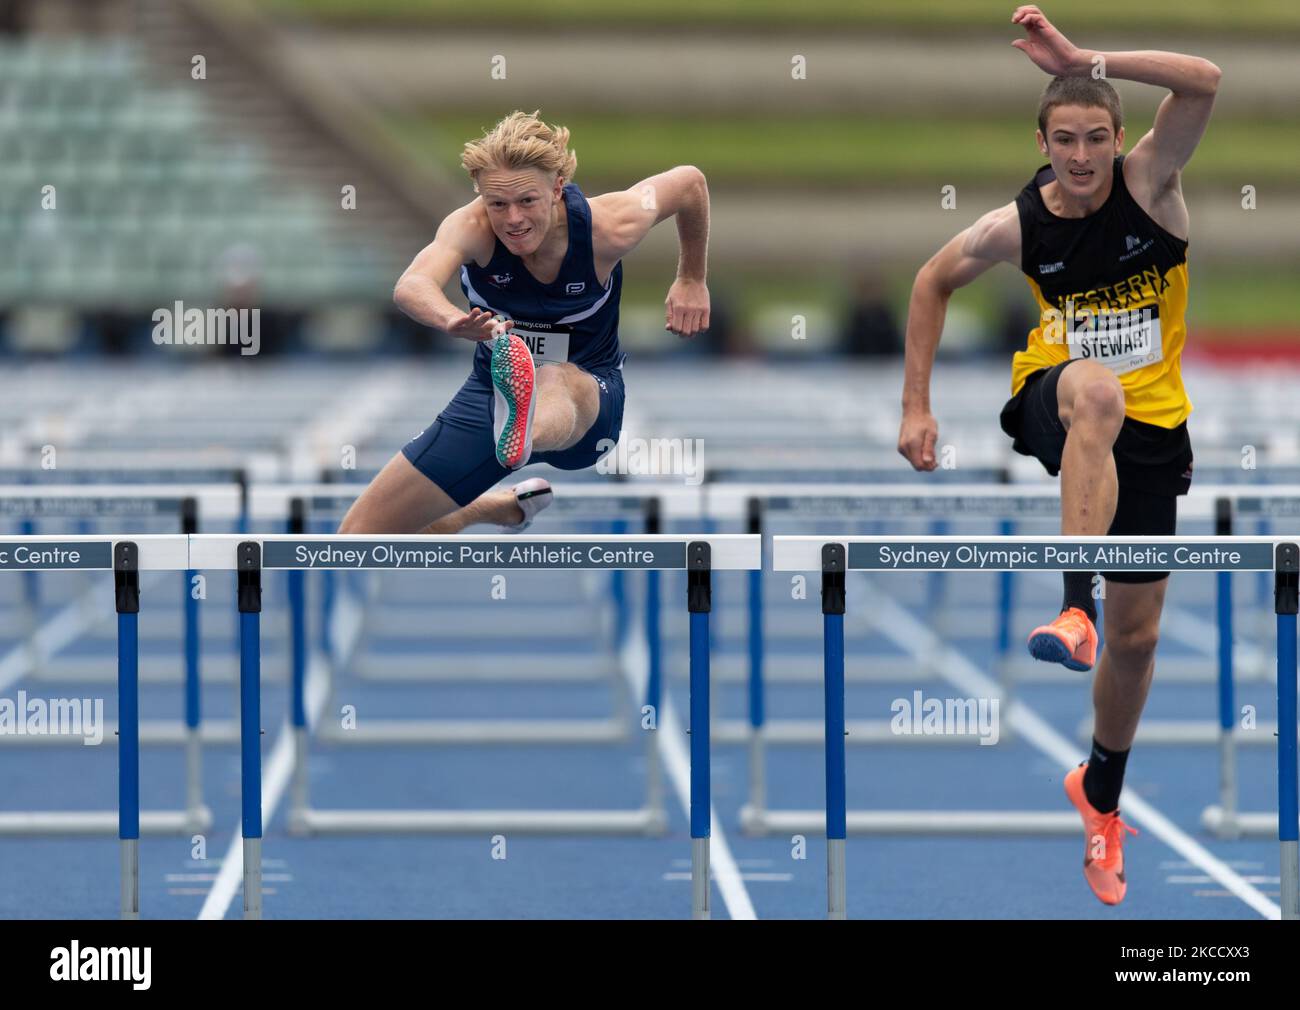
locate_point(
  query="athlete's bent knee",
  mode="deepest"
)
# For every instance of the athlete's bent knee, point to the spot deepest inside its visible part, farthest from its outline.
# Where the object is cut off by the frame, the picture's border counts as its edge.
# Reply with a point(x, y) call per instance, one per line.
point(1099, 401)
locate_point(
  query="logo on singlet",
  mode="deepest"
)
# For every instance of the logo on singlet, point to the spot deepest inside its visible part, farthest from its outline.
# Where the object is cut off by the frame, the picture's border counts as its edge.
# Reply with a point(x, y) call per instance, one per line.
point(576, 288)
point(501, 280)
point(1051, 268)
point(1135, 246)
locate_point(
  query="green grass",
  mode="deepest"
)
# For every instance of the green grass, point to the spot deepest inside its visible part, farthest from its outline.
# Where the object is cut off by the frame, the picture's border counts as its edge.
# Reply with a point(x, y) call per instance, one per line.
point(932, 15)
point(842, 151)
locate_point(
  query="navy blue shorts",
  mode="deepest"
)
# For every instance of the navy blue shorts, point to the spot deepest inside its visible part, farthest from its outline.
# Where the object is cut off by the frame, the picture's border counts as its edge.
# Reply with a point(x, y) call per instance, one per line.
point(457, 452)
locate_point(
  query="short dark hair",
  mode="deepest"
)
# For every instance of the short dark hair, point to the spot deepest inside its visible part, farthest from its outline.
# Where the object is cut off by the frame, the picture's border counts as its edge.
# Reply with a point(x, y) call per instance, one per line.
point(1093, 92)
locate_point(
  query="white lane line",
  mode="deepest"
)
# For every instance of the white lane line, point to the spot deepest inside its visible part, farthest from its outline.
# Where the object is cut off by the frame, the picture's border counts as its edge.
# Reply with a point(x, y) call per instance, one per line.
point(279, 767)
point(907, 632)
point(1201, 878)
point(1236, 864)
point(672, 747)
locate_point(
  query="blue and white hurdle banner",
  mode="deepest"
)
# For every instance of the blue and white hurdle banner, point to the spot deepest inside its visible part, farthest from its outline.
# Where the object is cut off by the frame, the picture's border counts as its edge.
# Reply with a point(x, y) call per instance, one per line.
point(917, 554)
point(603, 502)
point(699, 556)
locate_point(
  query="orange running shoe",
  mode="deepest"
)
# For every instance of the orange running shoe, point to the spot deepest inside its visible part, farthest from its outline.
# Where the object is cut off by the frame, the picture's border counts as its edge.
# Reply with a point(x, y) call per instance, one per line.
point(513, 380)
point(1103, 843)
point(1070, 640)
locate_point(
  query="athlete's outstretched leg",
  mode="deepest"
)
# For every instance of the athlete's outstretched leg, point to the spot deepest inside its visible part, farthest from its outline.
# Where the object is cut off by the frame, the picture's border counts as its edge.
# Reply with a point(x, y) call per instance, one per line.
point(1119, 693)
point(1119, 690)
point(399, 500)
point(512, 507)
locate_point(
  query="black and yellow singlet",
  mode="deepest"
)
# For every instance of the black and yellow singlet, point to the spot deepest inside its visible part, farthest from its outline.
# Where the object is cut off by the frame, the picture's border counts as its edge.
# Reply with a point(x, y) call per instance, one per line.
point(1111, 287)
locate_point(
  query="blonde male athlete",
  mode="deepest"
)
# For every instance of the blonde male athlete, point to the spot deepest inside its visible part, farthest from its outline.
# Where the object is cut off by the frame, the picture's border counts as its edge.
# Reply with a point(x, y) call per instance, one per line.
point(541, 267)
point(1097, 395)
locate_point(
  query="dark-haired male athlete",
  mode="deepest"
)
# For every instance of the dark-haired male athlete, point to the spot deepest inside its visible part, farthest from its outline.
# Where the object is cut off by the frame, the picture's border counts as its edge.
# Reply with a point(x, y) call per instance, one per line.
point(1097, 395)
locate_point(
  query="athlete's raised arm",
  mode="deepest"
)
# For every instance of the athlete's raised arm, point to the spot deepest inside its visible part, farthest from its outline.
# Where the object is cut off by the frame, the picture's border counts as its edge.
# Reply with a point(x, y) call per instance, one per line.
point(994, 238)
point(465, 235)
point(1180, 121)
point(621, 220)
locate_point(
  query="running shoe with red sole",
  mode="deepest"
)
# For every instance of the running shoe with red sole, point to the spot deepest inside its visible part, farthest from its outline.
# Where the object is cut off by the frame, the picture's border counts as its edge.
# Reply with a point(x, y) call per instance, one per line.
point(514, 383)
point(1070, 640)
point(1103, 843)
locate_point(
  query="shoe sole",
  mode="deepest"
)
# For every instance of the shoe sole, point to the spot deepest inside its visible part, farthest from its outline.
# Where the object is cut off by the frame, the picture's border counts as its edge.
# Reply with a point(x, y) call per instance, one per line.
point(513, 383)
point(1047, 647)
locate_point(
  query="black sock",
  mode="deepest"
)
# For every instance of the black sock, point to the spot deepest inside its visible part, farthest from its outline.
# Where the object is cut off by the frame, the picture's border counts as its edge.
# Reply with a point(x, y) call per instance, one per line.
point(1078, 593)
point(1103, 779)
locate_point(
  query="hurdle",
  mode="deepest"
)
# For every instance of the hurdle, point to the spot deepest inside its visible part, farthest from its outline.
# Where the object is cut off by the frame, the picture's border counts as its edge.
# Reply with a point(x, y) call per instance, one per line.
point(188, 505)
point(614, 503)
point(1006, 504)
point(698, 556)
point(125, 558)
point(835, 557)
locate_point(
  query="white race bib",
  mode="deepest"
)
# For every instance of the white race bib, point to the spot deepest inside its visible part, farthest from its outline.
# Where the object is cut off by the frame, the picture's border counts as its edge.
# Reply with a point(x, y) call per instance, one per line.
point(548, 342)
point(1122, 341)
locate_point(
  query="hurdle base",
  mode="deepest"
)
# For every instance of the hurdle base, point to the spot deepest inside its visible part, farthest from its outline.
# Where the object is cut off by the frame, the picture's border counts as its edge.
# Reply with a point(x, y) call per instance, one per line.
point(651, 823)
point(1174, 732)
point(383, 732)
point(578, 667)
point(915, 822)
point(813, 731)
point(153, 732)
point(60, 822)
point(1239, 825)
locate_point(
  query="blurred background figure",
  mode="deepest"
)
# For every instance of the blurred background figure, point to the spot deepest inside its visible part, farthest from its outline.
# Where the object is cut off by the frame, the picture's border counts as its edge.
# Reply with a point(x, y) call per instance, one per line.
point(871, 329)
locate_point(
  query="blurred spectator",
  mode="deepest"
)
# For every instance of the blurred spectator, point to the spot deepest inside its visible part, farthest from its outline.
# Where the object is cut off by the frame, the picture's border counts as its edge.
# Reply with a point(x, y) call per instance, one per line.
point(871, 330)
point(1014, 322)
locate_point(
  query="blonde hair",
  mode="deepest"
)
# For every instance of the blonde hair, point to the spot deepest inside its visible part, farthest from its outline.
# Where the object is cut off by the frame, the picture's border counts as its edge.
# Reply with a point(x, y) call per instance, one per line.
point(521, 140)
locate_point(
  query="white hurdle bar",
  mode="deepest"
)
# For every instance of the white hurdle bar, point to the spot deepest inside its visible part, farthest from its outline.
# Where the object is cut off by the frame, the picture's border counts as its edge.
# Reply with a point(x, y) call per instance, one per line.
point(834, 557)
point(698, 556)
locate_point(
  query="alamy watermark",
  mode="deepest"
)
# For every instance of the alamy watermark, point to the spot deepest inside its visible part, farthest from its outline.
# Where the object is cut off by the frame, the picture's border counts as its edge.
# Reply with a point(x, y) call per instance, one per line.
point(75, 963)
point(653, 457)
point(178, 326)
point(922, 716)
point(83, 717)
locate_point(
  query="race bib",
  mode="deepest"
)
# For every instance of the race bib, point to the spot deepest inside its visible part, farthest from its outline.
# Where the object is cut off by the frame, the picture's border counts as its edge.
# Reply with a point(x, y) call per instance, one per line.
point(548, 342)
point(1122, 341)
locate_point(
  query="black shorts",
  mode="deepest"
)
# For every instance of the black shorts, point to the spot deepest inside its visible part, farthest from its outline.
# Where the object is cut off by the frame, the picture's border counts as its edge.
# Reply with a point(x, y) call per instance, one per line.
point(1153, 464)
